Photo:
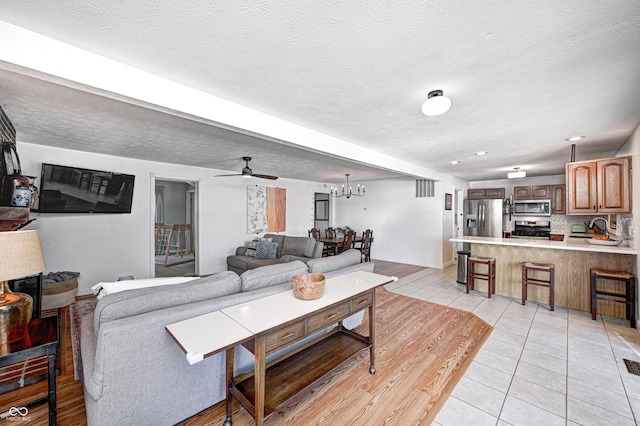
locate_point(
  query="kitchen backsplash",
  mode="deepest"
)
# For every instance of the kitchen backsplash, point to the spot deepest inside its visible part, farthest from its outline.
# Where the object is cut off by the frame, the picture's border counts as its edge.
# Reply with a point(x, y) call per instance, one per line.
point(621, 226)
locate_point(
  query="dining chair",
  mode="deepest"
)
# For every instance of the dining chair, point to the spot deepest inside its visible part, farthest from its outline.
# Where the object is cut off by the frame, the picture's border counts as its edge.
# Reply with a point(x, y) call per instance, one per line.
point(330, 232)
point(347, 242)
point(314, 233)
point(365, 245)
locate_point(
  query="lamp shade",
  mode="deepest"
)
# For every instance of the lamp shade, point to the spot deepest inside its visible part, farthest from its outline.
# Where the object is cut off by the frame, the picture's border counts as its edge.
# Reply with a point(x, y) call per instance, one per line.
point(21, 255)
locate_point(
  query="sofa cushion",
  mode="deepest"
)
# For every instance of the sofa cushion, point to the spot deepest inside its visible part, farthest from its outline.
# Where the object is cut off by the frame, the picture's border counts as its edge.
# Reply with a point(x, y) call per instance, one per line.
point(331, 263)
point(276, 238)
point(299, 246)
point(266, 250)
point(271, 275)
point(244, 263)
point(133, 302)
point(290, 258)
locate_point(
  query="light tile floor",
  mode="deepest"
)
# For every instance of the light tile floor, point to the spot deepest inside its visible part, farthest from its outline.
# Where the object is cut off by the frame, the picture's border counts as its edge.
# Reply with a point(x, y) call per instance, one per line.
point(538, 367)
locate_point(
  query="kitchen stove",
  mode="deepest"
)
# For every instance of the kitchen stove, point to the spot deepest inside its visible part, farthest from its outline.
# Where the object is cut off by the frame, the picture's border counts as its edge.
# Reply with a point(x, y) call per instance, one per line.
point(537, 230)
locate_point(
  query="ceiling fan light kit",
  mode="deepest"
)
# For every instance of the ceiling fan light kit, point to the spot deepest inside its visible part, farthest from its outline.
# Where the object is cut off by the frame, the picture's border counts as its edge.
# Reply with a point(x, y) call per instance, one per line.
point(436, 104)
point(517, 173)
point(348, 193)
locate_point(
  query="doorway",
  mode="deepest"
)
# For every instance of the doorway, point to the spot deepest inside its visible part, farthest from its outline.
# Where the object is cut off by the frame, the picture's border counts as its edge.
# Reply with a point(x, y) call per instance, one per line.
point(321, 211)
point(175, 227)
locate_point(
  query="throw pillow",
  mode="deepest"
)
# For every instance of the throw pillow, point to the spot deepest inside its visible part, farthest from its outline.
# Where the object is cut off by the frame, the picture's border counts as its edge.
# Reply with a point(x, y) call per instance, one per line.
point(254, 243)
point(250, 252)
point(266, 250)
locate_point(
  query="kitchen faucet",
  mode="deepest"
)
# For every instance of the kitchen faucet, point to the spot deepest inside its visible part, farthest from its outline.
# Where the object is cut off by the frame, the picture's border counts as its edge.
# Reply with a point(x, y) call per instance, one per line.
point(606, 224)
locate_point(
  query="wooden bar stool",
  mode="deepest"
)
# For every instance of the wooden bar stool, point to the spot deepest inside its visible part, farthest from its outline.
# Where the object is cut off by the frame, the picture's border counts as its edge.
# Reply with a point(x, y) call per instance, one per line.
point(628, 297)
point(489, 277)
point(549, 283)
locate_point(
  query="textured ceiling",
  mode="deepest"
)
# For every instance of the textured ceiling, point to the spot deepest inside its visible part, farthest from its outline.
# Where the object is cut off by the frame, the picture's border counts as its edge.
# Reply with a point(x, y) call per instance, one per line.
point(522, 76)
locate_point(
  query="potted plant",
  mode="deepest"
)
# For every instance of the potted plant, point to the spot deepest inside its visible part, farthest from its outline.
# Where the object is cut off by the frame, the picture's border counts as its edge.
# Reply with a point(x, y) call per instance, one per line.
point(342, 231)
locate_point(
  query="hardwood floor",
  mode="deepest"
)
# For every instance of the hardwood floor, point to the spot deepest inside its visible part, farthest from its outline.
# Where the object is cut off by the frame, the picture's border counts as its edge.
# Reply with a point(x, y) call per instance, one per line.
point(422, 350)
point(393, 269)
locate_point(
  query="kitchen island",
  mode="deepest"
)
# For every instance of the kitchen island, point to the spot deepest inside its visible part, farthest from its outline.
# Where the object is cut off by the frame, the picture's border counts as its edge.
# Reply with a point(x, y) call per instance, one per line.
point(573, 259)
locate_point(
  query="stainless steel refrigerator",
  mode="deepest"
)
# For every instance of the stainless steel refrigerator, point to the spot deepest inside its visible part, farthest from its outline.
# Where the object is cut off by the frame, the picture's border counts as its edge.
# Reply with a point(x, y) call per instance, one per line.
point(483, 218)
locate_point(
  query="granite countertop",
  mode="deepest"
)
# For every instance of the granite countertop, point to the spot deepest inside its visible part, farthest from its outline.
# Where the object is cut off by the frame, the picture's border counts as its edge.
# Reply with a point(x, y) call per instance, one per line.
point(578, 244)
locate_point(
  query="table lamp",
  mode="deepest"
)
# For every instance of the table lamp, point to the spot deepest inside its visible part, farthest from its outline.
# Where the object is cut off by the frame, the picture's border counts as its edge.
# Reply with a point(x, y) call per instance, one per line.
point(21, 257)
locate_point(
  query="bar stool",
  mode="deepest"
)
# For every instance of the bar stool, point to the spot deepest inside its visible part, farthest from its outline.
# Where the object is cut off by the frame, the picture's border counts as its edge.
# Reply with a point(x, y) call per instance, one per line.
point(549, 283)
point(628, 298)
point(489, 277)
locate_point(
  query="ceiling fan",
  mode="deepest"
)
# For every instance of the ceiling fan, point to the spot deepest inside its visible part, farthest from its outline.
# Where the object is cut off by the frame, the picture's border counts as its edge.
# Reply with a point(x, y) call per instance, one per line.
point(247, 172)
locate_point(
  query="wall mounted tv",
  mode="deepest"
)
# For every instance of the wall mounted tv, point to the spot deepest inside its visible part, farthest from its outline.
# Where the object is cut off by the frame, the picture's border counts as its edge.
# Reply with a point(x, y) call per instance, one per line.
point(65, 189)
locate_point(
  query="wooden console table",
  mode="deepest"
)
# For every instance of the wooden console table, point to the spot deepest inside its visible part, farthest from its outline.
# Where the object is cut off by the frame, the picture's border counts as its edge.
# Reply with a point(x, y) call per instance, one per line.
point(272, 323)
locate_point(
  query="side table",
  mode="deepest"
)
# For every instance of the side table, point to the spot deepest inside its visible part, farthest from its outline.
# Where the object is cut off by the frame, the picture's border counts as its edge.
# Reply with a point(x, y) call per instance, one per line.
point(42, 340)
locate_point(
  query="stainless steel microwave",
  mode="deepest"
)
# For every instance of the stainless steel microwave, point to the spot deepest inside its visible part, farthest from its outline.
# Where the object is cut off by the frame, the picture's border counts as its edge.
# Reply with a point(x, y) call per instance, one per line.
point(532, 208)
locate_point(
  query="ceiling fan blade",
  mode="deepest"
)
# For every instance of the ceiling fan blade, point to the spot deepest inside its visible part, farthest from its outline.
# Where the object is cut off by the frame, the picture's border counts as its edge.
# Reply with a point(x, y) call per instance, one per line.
point(265, 176)
point(235, 174)
point(247, 172)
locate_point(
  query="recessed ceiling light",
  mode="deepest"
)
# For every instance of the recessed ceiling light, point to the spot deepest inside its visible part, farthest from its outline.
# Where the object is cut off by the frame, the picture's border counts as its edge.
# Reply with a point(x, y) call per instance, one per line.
point(574, 138)
point(481, 153)
point(454, 162)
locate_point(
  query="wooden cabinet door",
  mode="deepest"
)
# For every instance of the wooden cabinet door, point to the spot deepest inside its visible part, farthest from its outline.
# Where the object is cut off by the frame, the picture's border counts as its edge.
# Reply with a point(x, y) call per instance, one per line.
point(522, 193)
point(475, 194)
point(496, 193)
point(540, 192)
point(614, 185)
point(582, 194)
point(558, 199)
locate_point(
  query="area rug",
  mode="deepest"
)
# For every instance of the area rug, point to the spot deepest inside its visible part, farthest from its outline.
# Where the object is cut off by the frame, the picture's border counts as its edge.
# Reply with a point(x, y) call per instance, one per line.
point(77, 310)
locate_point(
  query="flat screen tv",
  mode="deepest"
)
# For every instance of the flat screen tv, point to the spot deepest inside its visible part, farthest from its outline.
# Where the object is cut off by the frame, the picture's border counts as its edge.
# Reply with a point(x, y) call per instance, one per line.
point(65, 189)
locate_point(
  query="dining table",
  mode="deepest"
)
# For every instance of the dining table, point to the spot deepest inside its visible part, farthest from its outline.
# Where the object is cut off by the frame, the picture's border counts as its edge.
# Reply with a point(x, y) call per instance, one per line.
point(337, 243)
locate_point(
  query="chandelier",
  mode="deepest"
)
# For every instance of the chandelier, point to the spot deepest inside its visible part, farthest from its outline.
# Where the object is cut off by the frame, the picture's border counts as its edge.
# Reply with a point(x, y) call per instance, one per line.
point(349, 192)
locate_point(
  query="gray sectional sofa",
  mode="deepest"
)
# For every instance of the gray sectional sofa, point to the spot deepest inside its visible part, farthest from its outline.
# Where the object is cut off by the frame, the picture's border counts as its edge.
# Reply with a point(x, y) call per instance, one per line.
point(288, 250)
point(135, 373)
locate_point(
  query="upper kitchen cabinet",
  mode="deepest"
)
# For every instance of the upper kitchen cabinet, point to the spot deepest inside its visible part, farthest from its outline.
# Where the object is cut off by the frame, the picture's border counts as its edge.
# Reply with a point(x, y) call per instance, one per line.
point(538, 192)
point(482, 193)
point(602, 186)
point(558, 199)
point(522, 193)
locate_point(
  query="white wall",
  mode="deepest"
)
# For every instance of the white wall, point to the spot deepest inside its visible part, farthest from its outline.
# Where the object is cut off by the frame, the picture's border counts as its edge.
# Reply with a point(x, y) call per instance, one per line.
point(406, 229)
point(103, 247)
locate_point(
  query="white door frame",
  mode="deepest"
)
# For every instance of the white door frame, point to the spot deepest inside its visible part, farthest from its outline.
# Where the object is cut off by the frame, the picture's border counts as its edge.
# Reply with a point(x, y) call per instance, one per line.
point(458, 226)
point(197, 214)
